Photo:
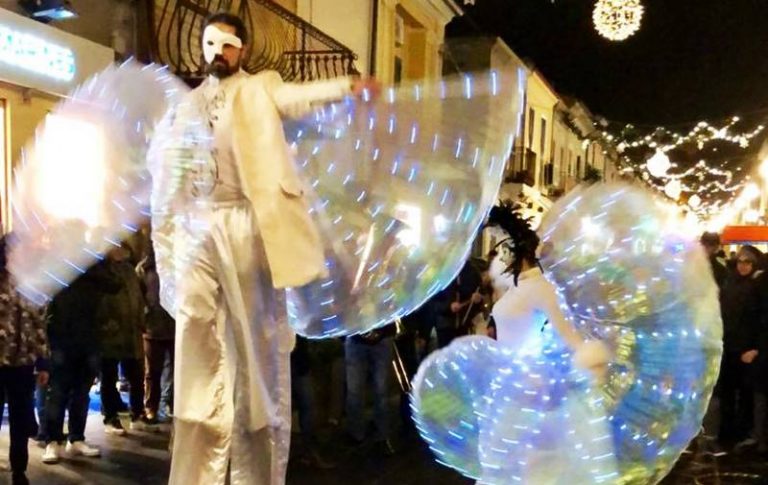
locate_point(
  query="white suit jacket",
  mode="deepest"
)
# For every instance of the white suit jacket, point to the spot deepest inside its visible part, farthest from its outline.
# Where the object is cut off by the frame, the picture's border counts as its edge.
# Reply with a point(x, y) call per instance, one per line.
point(268, 174)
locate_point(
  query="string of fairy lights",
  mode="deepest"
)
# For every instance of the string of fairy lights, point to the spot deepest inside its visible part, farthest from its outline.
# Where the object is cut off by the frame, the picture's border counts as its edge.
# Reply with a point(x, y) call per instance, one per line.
point(706, 188)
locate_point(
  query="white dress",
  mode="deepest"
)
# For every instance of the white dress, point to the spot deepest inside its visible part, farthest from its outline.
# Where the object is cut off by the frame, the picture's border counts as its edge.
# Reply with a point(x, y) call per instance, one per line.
point(550, 424)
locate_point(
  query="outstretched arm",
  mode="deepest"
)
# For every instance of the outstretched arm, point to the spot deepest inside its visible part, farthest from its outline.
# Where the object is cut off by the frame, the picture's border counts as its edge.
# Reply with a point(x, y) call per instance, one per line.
point(295, 100)
point(590, 355)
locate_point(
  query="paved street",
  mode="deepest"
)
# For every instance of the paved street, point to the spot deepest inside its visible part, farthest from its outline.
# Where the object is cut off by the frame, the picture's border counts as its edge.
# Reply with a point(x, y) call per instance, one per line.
point(141, 458)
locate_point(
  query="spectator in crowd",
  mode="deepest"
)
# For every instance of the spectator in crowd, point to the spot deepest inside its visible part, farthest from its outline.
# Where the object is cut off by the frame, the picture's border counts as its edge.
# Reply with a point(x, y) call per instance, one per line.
point(329, 370)
point(73, 333)
point(305, 403)
point(370, 352)
point(755, 361)
point(23, 349)
point(457, 304)
point(158, 337)
point(741, 306)
point(121, 321)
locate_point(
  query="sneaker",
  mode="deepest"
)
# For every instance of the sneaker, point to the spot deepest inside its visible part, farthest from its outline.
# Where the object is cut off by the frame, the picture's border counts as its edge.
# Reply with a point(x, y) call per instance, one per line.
point(747, 443)
point(52, 453)
point(144, 424)
point(81, 449)
point(114, 427)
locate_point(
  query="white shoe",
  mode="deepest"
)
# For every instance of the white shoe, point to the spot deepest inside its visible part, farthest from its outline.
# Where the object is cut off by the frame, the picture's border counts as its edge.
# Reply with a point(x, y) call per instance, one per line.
point(52, 453)
point(80, 448)
point(115, 430)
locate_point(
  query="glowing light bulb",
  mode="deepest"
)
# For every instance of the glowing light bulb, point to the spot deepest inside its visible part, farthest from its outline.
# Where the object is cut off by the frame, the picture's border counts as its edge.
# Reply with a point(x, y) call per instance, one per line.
point(617, 19)
point(659, 164)
point(673, 189)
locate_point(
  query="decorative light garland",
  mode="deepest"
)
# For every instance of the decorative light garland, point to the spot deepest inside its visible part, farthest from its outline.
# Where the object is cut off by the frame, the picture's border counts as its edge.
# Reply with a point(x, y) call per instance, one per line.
point(706, 182)
point(701, 134)
point(617, 20)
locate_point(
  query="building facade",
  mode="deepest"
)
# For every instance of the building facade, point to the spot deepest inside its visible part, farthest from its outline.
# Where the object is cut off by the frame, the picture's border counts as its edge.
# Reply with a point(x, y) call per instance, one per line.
point(40, 65)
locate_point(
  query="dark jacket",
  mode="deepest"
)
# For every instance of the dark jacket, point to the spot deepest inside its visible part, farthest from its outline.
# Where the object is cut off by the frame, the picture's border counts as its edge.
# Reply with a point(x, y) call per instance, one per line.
point(741, 308)
point(461, 290)
point(73, 327)
point(121, 316)
point(719, 271)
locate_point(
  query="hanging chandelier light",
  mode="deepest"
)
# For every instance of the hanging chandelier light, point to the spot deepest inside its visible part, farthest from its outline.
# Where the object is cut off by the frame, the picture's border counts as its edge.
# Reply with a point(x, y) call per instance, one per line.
point(617, 19)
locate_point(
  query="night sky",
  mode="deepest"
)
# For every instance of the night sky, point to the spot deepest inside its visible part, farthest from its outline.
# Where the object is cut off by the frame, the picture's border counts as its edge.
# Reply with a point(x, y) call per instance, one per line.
point(691, 59)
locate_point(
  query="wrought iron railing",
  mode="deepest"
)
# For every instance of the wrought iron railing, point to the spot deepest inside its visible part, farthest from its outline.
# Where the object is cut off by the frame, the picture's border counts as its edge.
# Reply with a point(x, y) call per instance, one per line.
point(280, 40)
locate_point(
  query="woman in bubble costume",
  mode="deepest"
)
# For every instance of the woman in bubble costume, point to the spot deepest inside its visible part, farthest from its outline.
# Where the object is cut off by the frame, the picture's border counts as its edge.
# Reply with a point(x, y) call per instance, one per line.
point(607, 352)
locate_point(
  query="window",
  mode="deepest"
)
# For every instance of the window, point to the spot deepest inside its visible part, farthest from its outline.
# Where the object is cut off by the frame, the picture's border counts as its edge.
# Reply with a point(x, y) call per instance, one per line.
point(543, 136)
point(578, 166)
point(531, 121)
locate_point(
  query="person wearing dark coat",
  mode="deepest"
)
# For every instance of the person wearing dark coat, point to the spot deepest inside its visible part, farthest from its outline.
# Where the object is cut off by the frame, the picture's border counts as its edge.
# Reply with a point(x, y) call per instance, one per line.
point(23, 350)
point(456, 305)
point(743, 323)
point(74, 337)
point(121, 325)
point(160, 329)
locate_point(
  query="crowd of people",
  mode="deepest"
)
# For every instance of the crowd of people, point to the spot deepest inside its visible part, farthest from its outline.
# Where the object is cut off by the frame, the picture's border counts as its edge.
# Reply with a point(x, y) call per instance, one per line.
point(107, 329)
point(107, 332)
point(740, 395)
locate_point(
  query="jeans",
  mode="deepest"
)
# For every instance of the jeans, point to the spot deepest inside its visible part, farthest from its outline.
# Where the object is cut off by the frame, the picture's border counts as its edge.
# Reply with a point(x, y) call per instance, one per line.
point(360, 359)
point(17, 386)
point(760, 420)
point(41, 396)
point(736, 398)
point(72, 374)
point(155, 351)
point(328, 376)
point(111, 402)
point(304, 401)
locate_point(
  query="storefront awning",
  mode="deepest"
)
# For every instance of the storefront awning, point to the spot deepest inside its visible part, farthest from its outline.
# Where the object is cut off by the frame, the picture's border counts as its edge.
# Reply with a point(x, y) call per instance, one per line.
point(744, 234)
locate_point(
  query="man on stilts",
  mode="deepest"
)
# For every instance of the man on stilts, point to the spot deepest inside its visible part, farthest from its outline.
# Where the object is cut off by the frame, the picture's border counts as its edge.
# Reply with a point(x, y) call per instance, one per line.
point(232, 412)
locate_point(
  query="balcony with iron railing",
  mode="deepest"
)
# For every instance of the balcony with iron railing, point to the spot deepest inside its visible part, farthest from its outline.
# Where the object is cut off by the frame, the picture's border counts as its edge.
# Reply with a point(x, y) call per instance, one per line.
point(280, 40)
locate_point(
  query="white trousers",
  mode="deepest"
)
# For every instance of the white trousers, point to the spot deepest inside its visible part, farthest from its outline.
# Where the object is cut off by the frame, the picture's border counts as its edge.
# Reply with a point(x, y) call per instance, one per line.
point(232, 410)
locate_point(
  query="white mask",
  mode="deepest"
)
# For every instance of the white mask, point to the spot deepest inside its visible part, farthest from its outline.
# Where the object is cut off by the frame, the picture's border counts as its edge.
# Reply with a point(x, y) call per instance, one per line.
point(214, 40)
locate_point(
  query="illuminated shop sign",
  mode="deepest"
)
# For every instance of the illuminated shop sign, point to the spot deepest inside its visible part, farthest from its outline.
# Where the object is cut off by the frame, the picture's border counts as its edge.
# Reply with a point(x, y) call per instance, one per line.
point(31, 53)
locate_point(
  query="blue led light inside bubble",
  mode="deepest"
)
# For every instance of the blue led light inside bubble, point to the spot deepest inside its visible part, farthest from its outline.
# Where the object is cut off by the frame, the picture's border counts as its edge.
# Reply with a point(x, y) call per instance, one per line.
point(399, 188)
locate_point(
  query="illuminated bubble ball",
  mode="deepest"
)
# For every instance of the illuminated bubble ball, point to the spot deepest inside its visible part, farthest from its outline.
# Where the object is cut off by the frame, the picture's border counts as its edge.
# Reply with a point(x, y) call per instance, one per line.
point(399, 188)
point(618, 253)
point(631, 272)
point(83, 183)
point(451, 400)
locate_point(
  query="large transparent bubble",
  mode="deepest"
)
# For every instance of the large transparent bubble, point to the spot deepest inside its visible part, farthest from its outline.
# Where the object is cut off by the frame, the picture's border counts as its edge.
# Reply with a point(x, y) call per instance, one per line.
point(631, 273)
point(401, 186)
point(82, 185)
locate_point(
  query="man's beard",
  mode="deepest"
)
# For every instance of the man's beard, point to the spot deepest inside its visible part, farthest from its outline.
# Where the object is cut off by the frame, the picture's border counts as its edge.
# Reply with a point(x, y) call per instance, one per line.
point(220, 69)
